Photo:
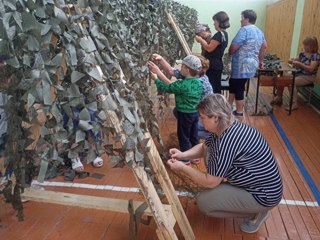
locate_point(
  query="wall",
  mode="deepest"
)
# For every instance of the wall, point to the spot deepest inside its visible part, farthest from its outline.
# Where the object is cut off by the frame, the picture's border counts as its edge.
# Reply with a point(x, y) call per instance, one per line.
point(310, 24)
point(280, 24)
point(207, 8)
point(301, 19)
point(297, 28)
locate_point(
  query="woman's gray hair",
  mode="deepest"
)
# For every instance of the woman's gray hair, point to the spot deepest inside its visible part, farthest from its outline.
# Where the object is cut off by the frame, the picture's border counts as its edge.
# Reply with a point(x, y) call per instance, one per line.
point(217, 105)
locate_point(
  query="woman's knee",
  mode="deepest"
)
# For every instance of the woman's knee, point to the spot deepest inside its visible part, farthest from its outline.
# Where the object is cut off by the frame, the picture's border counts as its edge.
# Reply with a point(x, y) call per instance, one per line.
point(202, 202)
point(206, 202)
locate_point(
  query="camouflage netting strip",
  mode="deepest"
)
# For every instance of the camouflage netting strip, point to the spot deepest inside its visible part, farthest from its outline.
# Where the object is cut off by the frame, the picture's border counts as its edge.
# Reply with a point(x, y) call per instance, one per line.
point(64, 71)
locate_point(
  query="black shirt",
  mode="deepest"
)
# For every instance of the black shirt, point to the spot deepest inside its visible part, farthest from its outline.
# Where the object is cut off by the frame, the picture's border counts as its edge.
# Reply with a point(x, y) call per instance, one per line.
point(215, 57)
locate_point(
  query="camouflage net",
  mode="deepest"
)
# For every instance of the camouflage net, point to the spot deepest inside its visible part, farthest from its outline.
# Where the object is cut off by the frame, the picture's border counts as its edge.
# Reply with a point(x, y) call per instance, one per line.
point(65, 61)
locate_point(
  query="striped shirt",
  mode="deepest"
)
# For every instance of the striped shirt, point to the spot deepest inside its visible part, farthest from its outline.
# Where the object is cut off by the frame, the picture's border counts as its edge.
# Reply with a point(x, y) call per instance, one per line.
point(244, 158)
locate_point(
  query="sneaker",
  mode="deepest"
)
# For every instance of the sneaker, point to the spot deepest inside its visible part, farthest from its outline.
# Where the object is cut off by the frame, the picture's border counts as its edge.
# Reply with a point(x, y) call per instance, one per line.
point(253, 225)
point(186, 162)
point(276, 101)
point(237, 114)
point(196, 161)
point(294, 107)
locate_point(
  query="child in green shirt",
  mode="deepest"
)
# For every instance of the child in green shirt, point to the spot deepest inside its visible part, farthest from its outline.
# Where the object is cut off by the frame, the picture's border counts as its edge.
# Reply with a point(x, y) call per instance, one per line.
point(188, 93)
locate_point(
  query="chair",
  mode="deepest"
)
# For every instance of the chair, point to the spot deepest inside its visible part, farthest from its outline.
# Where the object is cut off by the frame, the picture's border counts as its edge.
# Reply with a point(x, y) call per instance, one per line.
point(309, 89)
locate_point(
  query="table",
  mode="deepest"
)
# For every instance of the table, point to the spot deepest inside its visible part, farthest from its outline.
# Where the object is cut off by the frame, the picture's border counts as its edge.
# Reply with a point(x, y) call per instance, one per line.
point(282, 77)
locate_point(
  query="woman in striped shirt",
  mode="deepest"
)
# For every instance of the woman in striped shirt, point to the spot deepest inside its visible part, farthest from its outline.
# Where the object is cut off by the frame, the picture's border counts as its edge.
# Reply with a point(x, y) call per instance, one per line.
point(242, 178)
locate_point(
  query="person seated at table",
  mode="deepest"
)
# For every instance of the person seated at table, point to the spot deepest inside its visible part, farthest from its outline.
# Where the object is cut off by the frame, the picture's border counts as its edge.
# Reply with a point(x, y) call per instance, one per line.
point(307, 64)
point(242, 177)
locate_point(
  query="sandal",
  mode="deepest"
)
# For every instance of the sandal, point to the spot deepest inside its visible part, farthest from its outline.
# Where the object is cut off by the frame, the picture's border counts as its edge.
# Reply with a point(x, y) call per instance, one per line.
point(97, 162)
point(77, 165)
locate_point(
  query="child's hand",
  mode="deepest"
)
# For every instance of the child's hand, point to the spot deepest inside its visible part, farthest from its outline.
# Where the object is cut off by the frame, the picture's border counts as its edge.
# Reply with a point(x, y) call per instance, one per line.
point(153, 68)
point(156, 57)
point(153, 76)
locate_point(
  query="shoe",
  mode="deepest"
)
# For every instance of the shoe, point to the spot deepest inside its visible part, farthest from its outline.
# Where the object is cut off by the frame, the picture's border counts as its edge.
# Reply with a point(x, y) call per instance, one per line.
point(186, 162)
point(97, 162)
point(294, 107)
point(77, 165)
point(237, 114)
point(276, 101)
point(253, 225)
point(195, 161)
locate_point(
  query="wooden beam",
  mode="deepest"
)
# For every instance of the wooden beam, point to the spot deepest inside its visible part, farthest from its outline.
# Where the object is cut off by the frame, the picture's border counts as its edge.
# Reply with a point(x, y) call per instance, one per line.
point(164, 221)
point(179, 34)
point(83, 201)
point(164, 180)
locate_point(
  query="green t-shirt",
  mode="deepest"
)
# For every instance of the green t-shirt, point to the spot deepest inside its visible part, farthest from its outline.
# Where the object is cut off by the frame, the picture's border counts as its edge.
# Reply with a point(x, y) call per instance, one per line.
point(187, 93)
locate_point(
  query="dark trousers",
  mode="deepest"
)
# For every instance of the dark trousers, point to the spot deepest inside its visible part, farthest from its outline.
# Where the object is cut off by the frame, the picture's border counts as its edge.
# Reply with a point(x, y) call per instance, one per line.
point(187, 130)
point(215, 79)
point(237, 86)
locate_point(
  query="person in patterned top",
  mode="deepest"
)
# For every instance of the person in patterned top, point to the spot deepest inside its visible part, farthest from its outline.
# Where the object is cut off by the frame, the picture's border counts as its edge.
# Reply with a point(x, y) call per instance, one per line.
point(242, 177)
point(247, 52)
point(307, 64)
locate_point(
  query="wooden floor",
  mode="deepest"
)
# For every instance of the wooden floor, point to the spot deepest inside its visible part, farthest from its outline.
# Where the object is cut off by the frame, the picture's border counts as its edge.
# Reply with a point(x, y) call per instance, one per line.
point(297, 217)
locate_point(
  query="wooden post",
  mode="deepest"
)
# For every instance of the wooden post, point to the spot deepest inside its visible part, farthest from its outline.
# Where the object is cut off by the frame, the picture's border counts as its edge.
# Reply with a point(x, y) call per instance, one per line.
point(166, 184)
point(179, 34)
point(147, 187)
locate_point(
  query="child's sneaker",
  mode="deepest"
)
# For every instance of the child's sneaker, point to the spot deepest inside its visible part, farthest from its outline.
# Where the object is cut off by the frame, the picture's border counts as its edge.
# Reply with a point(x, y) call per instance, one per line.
point(196, 161)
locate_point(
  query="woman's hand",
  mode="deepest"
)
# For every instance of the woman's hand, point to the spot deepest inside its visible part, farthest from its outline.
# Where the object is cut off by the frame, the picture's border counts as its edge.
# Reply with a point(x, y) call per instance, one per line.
point(175, 153)
point(175, 165)
point(199, 39)
point(296, 63)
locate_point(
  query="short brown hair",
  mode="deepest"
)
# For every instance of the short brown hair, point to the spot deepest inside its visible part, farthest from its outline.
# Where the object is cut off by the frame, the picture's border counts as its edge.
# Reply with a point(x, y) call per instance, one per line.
point(204, 62)
point(311, 42)
point(193, 72)
point(250, 15)
point(222, 18)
